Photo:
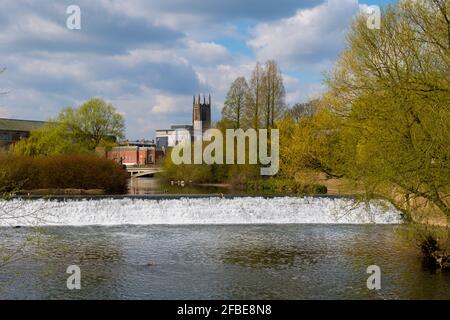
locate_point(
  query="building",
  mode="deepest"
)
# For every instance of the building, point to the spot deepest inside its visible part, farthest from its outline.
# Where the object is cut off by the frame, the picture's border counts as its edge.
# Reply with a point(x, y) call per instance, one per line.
point(14, 130)
point(133, 155)
point(201, 114)
point(142, 143)
point(147, 153)
point(169, 138)
point(201, 121)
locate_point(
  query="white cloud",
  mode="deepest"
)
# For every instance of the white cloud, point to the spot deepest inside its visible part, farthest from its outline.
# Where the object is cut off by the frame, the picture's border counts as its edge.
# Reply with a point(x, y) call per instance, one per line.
point(38, 27)
point(4, 112)
point(300, 91)
point(149, 57)
point(311, 38)
point(164, 104)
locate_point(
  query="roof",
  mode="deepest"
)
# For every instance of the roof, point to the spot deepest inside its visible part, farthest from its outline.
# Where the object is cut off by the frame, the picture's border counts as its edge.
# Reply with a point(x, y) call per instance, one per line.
point(20, 125)
point(125, 148)
point(181, 126)
point(142, 143)
point(176, 128)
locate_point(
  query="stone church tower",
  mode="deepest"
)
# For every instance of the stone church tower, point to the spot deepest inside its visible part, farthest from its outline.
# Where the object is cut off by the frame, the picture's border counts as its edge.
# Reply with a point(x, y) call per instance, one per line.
point(201, 114)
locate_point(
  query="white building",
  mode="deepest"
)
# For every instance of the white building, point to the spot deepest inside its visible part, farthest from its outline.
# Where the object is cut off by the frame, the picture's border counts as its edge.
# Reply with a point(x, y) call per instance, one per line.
point(171, 137)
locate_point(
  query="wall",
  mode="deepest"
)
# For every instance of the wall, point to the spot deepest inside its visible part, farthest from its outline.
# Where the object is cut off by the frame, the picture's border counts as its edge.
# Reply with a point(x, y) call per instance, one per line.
point(134, 155)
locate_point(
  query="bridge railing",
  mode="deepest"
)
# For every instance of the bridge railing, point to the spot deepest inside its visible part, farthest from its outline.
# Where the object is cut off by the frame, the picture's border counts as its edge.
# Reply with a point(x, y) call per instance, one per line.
point(143, 166)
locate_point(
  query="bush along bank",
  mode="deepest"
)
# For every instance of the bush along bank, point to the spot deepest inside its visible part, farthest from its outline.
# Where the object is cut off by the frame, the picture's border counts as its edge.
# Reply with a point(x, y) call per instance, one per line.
point(61, 172)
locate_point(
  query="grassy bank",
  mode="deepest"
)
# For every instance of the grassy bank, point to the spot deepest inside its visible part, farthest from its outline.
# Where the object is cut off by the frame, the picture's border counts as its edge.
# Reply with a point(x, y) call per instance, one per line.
point(284, 186)
point(83, 172)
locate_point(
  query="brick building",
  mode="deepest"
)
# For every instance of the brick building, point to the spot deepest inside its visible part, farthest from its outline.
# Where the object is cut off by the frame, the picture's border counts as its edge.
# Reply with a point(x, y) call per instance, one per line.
point(133, 155)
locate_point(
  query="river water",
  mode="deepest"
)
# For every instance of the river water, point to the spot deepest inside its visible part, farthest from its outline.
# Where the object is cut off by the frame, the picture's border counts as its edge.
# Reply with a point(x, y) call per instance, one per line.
point(148, 186)
point(213, 248)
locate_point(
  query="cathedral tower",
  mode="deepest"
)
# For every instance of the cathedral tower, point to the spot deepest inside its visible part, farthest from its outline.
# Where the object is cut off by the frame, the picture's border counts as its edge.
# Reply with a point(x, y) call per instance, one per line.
point(201, 113)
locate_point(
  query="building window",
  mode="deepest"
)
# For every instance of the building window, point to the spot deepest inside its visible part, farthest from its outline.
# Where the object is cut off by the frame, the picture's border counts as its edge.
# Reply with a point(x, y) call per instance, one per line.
point(6, 137)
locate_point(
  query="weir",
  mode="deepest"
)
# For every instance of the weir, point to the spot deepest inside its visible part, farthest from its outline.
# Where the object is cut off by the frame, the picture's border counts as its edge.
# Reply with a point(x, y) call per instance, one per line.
point(184, 211)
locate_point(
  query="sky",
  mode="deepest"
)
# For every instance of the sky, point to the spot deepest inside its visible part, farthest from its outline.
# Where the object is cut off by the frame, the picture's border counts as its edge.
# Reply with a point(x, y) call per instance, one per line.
point(149, 57)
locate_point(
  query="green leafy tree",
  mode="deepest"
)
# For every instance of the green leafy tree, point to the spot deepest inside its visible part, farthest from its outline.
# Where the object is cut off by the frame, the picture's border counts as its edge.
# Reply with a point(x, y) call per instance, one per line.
point(384, 123)
point(53, 138)
point(391, 91)
point(92, 122)
point(76, 130)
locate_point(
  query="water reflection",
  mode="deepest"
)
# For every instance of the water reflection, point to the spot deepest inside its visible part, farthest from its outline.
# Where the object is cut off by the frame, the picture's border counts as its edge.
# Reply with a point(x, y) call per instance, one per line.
point(266, 256)
point(220, 262)
point(145, 186)
point(52, 251)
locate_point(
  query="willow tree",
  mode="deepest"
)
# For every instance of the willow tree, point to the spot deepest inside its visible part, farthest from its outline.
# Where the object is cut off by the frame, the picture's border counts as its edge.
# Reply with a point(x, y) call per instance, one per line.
point(391, 90)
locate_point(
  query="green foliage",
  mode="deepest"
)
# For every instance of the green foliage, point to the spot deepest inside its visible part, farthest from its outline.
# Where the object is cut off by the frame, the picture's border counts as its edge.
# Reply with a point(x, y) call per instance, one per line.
point(61, 172)
point(385, 120)
point(311, 143)
point(184, 172)
point(51, 139)
point(92, 122)
point(80, 130)
point(203, 173)
point(392, 91)
point(432, 241)
point(289, 186)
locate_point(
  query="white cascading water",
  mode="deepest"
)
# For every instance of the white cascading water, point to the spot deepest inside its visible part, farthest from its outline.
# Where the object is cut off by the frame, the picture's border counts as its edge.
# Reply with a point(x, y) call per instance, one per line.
point(249, 210)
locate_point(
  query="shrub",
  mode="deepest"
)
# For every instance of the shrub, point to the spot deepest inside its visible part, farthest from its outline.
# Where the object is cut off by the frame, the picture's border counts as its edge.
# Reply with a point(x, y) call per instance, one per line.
point(204, 173)
point(62, 172)
point(433, 243)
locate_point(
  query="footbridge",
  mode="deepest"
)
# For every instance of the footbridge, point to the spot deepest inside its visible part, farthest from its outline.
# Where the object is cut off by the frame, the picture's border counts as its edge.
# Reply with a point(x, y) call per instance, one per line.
point(139, 172)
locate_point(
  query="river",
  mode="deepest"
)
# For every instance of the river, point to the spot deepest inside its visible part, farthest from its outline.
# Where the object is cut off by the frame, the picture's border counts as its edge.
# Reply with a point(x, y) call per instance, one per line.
point(146, 186)
point(212, 248)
